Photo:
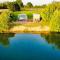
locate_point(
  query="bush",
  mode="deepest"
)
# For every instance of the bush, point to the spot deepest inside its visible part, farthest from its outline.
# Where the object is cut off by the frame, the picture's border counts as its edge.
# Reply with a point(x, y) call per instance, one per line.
point(30, 15)
point(4, 20)
point(55, 21)
point(13, 17)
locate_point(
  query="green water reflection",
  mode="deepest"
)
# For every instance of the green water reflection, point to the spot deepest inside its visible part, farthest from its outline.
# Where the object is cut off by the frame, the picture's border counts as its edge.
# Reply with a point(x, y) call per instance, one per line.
point(4, 38)
point(52, 38)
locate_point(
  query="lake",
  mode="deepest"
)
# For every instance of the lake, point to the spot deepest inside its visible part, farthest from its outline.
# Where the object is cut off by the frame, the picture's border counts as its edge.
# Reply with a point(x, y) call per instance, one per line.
point(30, 46)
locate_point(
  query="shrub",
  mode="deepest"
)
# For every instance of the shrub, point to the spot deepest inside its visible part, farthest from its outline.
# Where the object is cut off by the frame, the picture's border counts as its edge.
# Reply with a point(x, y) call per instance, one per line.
point(30, 15)
point(4, 20)
point(55, 21)
point(13, 17)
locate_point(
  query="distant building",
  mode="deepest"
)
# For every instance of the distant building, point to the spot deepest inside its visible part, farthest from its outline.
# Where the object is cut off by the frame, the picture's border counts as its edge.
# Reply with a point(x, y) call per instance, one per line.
point(36, 17)
point(22, 17)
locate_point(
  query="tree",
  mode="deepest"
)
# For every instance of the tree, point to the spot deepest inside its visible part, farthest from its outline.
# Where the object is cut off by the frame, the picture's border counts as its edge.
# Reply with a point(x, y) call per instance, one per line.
point(16, 7)
point(10, 6)
point(13, 6)
point(20, 3)
point(3, 6)
point(29, 5)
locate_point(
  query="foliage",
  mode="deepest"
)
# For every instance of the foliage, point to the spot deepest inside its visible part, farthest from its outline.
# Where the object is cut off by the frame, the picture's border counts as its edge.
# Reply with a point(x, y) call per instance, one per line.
point(55, 21)
point(13, 6)
point(28, 13)
point(29, 5)
point(20, 3)
point(37, 6)
point(13, 17)
point(50, 13)
point(4, 20)
point(3, 6)
point(51, 16)
point(10, 6)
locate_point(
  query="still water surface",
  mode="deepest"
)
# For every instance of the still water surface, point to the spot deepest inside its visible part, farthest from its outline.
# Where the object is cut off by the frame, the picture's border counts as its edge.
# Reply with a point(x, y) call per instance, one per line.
point(30, 46)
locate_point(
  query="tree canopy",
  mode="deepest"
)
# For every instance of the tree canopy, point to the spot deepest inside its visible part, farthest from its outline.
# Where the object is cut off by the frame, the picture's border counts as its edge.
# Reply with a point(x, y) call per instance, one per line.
point(20, 3)
point(29, 5)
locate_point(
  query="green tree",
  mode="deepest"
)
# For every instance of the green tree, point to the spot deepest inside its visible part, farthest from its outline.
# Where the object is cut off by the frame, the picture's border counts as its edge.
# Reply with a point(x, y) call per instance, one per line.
point(3, 6)
point(16, 7)
point(10, 6)
point(13, 6)
point(29, 5)
point(20, 3)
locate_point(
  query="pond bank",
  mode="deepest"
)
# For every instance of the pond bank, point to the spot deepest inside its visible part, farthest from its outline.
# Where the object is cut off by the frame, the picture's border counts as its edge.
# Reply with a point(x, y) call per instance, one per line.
point(25, 29)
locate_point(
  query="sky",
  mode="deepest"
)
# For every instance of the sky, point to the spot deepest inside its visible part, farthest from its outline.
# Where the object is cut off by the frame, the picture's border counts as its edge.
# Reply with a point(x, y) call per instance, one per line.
point(34, 2)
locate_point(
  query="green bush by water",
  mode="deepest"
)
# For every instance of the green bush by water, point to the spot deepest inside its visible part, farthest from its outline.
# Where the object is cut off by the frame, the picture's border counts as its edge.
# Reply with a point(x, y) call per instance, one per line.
point(55, 21)
point(4, 20)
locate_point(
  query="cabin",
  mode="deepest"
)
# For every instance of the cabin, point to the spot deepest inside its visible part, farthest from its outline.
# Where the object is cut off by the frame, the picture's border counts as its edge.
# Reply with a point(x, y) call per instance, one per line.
point(36, 17)
point(22, 17)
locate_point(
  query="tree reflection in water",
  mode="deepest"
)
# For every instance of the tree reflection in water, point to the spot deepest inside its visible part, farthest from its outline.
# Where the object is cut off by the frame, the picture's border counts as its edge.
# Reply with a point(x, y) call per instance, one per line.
point(4, 38)
point(52, 38)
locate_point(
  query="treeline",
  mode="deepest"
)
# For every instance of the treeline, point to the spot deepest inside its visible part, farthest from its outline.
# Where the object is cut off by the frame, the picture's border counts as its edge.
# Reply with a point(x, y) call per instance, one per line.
point(3, 6)
point(13, 6)
point(17, 5)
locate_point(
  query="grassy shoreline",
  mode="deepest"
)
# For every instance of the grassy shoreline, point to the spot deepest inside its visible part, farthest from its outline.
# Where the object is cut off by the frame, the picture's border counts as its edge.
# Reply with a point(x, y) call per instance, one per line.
point(24, 29)
point(29, 27)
